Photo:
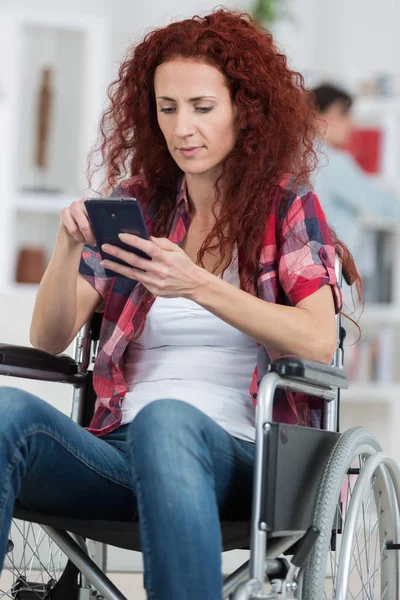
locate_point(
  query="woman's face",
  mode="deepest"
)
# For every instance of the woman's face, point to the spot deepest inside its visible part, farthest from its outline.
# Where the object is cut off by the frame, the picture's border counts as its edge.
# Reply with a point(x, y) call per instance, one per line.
point(196, 115)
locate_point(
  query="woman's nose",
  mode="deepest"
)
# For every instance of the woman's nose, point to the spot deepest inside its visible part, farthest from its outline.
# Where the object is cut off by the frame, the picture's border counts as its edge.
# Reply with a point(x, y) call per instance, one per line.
point(184, 124)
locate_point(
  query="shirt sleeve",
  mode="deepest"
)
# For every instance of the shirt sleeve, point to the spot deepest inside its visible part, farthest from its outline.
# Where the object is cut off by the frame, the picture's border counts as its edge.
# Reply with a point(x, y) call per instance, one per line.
point(91, 269)
point(90, 265)
point(306, 251)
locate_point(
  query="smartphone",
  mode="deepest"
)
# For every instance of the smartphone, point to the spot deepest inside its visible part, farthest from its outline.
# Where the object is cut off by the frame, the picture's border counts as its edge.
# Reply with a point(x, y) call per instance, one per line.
point(111, 216)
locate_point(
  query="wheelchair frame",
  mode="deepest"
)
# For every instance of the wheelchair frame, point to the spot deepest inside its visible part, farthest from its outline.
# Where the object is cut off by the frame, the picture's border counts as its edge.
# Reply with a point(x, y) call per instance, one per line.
point(279, 520)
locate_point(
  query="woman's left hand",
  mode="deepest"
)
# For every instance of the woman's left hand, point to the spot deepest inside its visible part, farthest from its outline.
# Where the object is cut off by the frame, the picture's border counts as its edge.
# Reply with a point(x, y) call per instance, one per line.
point(170, 273)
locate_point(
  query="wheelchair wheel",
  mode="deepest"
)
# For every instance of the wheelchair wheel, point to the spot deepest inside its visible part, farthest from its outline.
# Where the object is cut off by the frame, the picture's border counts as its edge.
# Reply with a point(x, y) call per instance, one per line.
point(357, 512)
point(35, 568)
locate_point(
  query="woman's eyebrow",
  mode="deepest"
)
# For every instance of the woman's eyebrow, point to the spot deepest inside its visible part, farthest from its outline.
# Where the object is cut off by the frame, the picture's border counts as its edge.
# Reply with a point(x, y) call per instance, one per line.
point(190, 99)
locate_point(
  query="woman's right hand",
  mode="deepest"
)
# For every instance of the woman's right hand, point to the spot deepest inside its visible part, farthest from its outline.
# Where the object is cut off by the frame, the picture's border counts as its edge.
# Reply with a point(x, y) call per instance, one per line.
point(75, 224)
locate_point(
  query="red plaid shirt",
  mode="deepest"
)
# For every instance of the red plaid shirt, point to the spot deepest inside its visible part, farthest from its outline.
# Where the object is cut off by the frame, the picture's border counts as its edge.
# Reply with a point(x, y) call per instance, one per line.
point(296, 260)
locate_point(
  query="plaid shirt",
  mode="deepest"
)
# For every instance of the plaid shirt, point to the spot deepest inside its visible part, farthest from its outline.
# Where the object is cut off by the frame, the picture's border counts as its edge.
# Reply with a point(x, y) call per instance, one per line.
point(296, 260)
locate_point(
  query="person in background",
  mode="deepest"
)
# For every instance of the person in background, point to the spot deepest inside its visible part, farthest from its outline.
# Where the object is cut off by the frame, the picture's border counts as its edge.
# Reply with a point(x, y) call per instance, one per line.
point(345, 191)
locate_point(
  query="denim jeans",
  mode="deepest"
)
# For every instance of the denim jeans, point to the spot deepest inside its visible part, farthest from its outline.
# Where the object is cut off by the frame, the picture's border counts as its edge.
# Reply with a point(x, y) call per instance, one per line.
point(172, 468)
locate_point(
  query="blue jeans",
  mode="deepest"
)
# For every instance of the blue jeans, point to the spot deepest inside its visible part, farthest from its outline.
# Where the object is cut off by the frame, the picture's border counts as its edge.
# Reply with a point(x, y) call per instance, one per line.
point(173, 469)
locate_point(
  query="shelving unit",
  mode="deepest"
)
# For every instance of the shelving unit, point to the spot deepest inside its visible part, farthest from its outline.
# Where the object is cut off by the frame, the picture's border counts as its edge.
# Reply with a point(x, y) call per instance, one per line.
point(375, 314)
point(43, 203)
point(20, 289)
point(382, 396)
point(372, 393)
point(75, 48)
point(377, 104)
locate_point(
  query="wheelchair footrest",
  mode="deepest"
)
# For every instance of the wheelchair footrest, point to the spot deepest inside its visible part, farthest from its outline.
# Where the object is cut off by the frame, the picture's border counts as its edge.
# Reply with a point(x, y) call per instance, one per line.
point(305, 546)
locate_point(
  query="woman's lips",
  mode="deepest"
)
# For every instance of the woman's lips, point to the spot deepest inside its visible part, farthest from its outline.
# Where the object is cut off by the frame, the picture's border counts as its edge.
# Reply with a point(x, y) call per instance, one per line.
point(190, 150)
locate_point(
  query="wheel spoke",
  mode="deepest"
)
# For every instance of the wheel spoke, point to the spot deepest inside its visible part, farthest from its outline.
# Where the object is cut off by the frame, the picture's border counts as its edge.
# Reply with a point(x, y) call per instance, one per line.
point(358, 563)
point(366, 549)
point(33, 564)
point(34, 553)
point(366, 483)
point(379, 514)
point(369, 543)
point(380, 563)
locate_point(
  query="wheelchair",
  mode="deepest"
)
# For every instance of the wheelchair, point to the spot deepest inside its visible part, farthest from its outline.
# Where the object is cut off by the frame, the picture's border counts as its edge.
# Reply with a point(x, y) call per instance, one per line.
point(325, 514)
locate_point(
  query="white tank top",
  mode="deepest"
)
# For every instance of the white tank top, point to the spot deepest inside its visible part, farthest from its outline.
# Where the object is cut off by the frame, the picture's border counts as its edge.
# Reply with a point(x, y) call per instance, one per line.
point(187, 353)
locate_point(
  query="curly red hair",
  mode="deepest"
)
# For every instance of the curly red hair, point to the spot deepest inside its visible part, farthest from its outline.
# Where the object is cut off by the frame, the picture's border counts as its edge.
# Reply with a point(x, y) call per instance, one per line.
point(275, 121)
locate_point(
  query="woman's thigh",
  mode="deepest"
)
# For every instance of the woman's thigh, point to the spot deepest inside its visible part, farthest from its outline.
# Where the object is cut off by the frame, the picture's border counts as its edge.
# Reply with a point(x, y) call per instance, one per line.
point(181, 447)
point(58, 467)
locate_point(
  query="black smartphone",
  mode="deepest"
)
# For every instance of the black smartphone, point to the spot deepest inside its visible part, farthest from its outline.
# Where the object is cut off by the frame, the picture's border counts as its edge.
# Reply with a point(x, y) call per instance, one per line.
point(111, 216)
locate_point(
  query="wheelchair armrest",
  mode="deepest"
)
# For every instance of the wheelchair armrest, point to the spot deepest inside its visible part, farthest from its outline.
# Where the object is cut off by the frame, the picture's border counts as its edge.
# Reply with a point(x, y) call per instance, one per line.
point(30, 363)
point(310, 371)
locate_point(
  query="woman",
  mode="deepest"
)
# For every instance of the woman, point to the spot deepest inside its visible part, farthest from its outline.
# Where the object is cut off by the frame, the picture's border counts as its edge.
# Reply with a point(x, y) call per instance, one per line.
point(212, 132)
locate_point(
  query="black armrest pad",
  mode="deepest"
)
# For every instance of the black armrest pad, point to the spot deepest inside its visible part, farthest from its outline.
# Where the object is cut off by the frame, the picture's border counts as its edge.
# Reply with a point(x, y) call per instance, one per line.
point(310, 371)
point(31, 358)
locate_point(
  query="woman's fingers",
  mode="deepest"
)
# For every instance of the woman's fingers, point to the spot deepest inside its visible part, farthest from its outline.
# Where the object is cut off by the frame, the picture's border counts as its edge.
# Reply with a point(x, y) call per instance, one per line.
point(164, 243)
point(127, 256)
point(152, 247)
point(76, 223)
point(128, 271)
point(71, 227)
point(79, 213)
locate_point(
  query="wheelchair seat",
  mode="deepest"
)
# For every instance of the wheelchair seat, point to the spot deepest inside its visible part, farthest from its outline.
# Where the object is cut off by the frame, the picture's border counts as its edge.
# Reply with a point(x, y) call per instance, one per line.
point(235, 534)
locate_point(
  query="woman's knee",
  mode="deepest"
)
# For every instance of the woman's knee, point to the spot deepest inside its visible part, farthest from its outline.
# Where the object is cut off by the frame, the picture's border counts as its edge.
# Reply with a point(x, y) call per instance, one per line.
point(18, 406)
point(167, 444)
point(166, 426)
point(165, 417)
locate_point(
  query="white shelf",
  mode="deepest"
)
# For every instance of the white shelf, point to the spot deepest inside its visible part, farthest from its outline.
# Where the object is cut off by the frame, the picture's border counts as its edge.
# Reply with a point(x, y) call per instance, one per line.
point(373, 104)
point(44, 203)
point(371, 393)
point(387, 183)
point(379, 223)
point(375, 314)
point(77, 48)
point(18, 289)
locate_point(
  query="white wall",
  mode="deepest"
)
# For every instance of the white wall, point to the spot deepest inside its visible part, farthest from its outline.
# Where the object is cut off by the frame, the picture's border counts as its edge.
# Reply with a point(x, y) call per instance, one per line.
point(97, 7)
point(296, 37)
point(337, 37)
point(15, 316)
point(358, 38)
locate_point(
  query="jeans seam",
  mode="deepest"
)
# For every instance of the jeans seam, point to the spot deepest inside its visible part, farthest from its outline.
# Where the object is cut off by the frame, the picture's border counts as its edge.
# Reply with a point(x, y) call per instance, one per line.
point(17, 453)
point(10, 468)
point(246, 447)
point(143, 528)
point(43, 429)
point(232, 458)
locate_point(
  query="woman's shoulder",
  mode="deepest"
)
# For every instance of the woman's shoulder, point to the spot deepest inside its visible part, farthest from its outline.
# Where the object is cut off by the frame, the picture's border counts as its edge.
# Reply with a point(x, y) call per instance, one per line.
point(294, 186)
point(294, 196)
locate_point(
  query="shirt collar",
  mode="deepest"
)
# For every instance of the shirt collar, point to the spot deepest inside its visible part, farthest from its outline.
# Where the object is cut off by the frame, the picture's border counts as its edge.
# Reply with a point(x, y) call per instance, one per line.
point(182, 202)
